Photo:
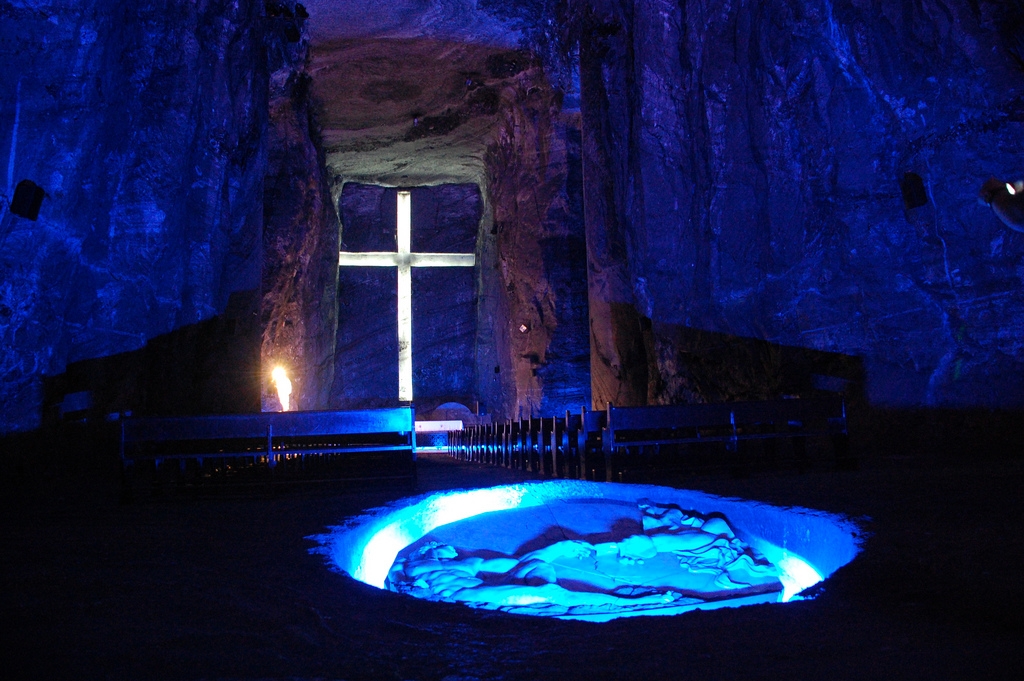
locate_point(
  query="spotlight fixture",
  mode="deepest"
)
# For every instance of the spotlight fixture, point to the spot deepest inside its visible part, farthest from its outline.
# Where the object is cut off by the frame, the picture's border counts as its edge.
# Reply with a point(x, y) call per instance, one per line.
point(1006, 199)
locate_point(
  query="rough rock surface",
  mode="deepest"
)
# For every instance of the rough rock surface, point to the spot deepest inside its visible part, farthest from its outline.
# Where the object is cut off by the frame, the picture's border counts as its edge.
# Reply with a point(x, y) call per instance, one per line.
point(300, 238)
point(535, 186)
point(399, 110)
point(409, 90)
point(618, 360)
point(135, 128)
point(779, 194)
point(144, 125)
point(760, 167)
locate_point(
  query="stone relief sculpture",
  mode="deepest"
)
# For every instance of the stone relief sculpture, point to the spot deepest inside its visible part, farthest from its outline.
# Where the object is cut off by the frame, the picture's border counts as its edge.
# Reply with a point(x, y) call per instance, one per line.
point(680, 559)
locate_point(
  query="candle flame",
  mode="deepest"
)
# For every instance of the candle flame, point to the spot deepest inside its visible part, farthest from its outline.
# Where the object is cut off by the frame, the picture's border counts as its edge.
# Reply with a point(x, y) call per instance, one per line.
point(284, 387)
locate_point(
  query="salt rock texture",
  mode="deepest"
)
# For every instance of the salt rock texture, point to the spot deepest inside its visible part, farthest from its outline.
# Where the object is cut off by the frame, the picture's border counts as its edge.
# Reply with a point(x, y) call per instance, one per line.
point(423, 109)
point(535, 183)
point(465, 20)
point(300, 236)
point(770, 185)
point(144, 124)
point(757, 167)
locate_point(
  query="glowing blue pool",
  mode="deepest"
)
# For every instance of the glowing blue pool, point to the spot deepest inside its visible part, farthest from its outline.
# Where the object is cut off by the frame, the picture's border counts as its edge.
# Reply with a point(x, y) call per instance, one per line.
point(592, 551)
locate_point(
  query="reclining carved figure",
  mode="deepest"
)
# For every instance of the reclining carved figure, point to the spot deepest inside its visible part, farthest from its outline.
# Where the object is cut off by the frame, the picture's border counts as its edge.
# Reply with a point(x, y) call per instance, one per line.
point(680, 558)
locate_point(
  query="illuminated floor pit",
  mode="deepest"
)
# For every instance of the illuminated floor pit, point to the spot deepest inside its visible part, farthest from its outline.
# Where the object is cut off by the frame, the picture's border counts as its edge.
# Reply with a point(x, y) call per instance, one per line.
point(591, 551)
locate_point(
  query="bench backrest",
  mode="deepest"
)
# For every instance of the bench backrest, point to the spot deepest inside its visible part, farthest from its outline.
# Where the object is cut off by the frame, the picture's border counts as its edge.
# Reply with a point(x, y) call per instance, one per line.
point(781, 411)
point(669, 416)
point(281, 424)
point(593, 421)
point(724, 414)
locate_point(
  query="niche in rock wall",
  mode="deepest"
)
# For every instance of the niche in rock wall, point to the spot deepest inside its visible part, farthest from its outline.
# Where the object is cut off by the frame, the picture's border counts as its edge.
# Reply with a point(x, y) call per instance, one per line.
point(444, 220)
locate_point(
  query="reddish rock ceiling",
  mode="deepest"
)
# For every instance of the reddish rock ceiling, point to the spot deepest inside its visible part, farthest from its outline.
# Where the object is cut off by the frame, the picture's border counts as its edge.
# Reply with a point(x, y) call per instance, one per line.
point(404, 89)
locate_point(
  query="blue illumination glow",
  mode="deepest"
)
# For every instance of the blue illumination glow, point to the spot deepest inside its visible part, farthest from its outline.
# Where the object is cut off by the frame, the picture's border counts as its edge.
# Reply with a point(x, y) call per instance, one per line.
point(803, 545)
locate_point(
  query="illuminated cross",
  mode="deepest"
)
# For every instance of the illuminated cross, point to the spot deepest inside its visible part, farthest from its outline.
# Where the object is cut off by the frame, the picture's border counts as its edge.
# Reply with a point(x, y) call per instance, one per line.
point(404, 259)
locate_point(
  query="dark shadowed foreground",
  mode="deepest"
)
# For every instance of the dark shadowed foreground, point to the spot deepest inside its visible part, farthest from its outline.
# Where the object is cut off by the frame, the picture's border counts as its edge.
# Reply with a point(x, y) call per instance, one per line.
point(225, 588)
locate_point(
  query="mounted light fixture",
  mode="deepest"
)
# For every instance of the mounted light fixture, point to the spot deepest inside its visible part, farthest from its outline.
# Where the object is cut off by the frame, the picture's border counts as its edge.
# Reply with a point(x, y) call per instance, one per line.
point(1006, 199)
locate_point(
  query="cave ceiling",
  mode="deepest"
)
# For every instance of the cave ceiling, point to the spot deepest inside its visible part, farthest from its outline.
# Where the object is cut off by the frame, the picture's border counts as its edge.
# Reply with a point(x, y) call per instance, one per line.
point(408, 92)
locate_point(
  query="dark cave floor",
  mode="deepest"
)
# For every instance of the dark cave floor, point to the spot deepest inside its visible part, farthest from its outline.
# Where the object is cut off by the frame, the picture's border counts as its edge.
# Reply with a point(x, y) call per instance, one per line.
point(225, 588)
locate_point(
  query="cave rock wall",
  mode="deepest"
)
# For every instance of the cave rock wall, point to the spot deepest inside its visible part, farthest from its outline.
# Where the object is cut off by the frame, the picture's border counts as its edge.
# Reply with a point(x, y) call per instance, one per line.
point(536, 276)
point(144, 125)
point(298, 306)
point(803, 174)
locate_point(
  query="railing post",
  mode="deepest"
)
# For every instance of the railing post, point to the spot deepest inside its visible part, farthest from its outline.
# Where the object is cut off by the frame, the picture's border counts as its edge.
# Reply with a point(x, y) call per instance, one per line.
point(608, 446)
point(270, 445)
point(492, 443)
point(523, 441)
point(554, 446)
point(506, 444)
point(581, 443)
point(538, 439)
point(841, 442)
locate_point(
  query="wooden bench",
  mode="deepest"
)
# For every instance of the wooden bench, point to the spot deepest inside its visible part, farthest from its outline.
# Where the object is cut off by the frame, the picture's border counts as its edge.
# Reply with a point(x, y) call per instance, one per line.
point(567, 441)
point(549, 446)
point(270, 447)
point(482, 443)
point(731, 423)
point(589, 433)
point(588, 445)
point(530, 444)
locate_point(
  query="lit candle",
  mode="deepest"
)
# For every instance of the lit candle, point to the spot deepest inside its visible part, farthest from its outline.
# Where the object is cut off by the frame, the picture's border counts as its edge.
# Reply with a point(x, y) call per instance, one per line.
point(284, 387)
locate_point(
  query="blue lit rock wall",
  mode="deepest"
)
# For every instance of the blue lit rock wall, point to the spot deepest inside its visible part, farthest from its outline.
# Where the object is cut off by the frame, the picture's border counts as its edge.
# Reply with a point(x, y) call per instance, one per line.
point(298, 306)
point(752, 155)
point(144, 124)
point(538, 286)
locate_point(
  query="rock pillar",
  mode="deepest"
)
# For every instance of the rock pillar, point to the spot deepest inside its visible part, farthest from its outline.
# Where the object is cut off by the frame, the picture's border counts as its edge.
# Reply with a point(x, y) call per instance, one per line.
point(618, 362)
point(300, 239)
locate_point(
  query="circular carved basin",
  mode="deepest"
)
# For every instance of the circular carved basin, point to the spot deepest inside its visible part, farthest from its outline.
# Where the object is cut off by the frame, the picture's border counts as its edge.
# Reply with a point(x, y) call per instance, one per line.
point(592, 551)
